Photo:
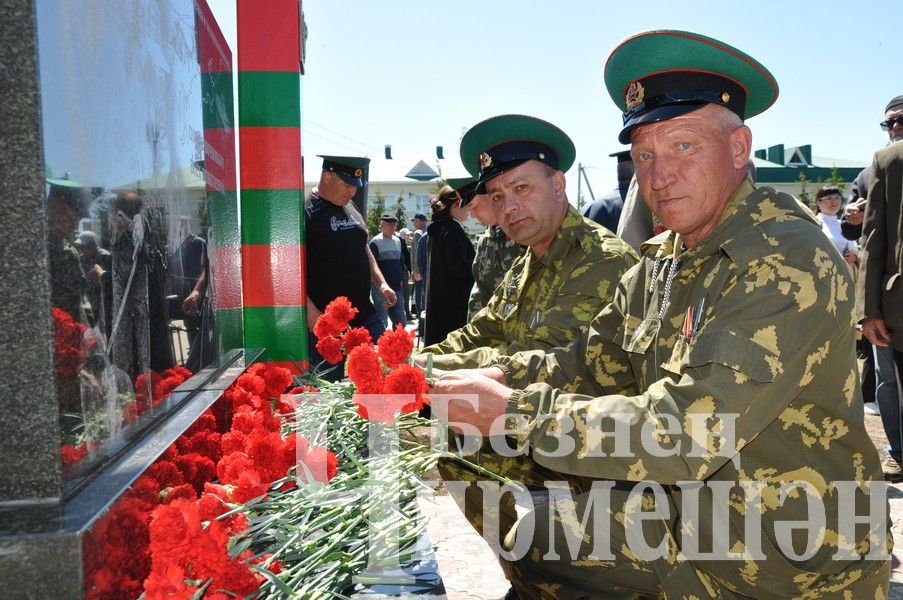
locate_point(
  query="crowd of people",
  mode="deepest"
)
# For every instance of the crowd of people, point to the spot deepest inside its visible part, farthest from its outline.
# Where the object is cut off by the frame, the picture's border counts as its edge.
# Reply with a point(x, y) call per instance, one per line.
point(694, 387)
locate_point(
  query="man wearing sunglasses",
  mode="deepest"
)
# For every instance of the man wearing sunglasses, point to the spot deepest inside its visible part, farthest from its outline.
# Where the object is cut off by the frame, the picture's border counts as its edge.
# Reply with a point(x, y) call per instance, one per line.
point(881, 283)
point(879, 364)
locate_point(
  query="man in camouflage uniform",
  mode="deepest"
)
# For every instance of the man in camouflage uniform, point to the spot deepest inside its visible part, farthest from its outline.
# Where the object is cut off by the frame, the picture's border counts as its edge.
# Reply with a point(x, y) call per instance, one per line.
point(722, 376)
point(568, 273)
point(572, 265)
point(495, 253)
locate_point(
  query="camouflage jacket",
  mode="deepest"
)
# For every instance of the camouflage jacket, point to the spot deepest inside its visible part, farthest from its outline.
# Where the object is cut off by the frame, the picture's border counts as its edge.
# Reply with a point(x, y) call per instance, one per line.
point(495, 253)
point(737, 358)
point(542, 302)
point(67, 282)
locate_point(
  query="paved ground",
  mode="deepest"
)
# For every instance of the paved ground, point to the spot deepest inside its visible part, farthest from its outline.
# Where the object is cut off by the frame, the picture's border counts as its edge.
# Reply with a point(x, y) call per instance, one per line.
point(470, 572)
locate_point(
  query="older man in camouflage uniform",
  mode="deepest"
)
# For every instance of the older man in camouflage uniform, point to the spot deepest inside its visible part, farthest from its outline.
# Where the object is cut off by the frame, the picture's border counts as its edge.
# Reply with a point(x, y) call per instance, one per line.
point(722, 376)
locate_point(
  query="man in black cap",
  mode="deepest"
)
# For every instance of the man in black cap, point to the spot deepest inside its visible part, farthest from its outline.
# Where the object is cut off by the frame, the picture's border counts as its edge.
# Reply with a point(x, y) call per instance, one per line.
point(394, 263)
point(606, 211)
point(339, 261)
point(718, 387)
point(95, 262)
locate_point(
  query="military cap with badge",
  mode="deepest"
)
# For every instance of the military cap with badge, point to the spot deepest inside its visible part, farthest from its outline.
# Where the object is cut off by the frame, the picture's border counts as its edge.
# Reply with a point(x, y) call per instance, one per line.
point(350, 169)
point(661, 74)
point(465, 187)
point(505, 142)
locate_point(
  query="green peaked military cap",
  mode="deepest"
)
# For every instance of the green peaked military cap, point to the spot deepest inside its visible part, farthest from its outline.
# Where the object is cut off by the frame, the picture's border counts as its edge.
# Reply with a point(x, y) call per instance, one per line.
point(465, 186)
point(502, 143)
point(656, 75)
point(350, 169)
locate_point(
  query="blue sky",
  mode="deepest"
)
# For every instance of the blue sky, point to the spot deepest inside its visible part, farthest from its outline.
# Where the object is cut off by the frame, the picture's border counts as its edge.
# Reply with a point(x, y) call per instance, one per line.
point(416, 74)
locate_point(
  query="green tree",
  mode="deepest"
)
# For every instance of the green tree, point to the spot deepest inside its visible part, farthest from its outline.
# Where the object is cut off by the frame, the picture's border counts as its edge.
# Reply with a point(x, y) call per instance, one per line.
point(374, 212)
point(399, 212)
point(581, 201)
point(836, 180)
point(804, 195)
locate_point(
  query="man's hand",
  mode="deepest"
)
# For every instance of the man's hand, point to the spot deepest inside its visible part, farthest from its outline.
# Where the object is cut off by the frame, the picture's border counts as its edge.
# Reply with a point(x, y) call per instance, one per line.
point(851, 256)
point(190, 304)
point(471, 398)
point(417, 276)
point(854, 213)
point(96, 273)
point(388, 295)
point(876, 332)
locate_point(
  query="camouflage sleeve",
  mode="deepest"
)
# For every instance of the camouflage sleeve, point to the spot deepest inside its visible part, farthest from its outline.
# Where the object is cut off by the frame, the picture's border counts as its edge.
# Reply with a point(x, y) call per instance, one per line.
point(776, 333)
point(593, 358)
point(482, 281)
point(589, 287)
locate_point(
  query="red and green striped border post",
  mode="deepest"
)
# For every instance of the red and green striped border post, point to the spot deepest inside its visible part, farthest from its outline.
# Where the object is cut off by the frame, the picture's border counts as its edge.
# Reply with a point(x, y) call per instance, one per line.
point(219, 176)
point(272, 227)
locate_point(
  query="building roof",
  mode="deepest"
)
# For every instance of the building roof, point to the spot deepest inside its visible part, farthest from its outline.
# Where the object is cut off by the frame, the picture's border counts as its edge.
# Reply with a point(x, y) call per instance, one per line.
point(403, 168)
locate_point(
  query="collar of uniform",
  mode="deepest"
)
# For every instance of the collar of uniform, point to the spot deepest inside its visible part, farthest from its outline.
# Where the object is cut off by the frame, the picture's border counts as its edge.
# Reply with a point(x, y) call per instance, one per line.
point(569, 236)
point(667, 240)
point(496, 232)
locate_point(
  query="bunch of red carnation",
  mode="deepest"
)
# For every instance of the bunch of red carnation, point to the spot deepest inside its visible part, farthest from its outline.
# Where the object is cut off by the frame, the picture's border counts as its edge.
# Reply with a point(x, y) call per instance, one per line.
point(254, 452)
point(166, 536)
point(385, 383)
point(69, 343)
point(335, 339)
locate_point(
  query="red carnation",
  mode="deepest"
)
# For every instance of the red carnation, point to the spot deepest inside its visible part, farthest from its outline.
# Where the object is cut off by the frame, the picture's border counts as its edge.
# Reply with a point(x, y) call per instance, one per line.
point(145, 488)
point(166, 473)
point(327, 326)
point(364, 370)
point(395, 346)
point(252, 383)
point(249, 486)
point(234, 441)
point(341, 310)
point(178, 372)
point(167, 583)
point(354, 338)
point(277, 380)
point(409, 381)
point(330, 348)
point(184, 491)
point(71, 454)
point(264, 449)
point(206, 422)
point(316, 460)
point(196, 469)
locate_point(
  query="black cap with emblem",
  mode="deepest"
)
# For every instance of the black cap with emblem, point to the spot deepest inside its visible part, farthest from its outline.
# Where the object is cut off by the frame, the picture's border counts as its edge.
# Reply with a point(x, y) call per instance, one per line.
point(502, 143)
point(350, 169)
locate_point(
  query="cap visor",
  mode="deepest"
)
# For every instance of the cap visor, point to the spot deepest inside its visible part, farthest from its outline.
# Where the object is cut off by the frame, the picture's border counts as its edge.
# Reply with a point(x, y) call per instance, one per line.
point(355, 181)
point(495, 172)
point(662, 113)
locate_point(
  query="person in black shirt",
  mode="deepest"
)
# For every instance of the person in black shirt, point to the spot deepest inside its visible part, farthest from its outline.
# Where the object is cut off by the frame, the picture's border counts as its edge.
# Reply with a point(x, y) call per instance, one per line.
point(339, 261)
